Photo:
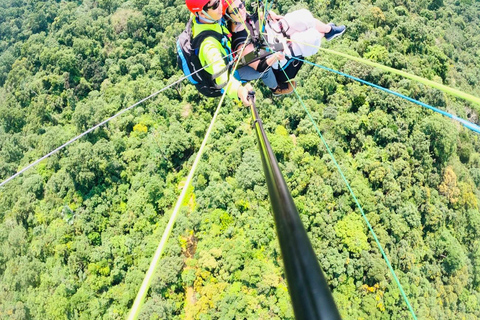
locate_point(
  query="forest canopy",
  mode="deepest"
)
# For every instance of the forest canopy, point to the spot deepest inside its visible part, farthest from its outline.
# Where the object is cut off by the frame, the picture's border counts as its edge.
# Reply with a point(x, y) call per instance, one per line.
point(78, 231)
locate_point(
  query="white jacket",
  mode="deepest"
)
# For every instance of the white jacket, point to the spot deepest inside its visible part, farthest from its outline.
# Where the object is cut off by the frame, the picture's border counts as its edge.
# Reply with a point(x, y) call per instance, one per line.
point(300, 27)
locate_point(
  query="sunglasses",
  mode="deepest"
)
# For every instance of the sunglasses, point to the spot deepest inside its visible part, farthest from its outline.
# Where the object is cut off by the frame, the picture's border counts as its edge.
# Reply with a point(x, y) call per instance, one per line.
point(236, 10)
point(214, 6)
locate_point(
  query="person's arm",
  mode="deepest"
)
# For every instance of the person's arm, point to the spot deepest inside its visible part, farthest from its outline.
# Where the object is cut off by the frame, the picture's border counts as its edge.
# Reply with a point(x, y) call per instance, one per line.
point(277, 56)
point(272, 15)
point(210, 54)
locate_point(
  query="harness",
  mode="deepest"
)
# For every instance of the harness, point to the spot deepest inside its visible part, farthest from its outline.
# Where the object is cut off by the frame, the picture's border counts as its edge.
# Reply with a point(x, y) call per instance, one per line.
point(283, 30)
point(261, 47)
point(223, 39)
point(189, 62)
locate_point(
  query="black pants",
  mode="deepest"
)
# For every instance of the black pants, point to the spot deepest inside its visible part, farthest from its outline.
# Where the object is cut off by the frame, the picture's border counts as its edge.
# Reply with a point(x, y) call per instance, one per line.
point(291, 70)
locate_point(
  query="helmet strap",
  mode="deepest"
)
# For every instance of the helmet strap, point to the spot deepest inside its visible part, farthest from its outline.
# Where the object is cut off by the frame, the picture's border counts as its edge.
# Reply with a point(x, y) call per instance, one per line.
point(209, 19)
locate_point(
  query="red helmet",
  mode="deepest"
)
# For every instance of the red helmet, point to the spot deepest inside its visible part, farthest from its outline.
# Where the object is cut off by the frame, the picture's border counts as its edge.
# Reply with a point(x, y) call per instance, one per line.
point(225, 5)
point(196, 5)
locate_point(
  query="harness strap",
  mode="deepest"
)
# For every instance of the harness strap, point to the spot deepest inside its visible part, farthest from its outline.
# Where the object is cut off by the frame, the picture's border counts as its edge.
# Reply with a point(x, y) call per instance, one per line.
point(263, 53)
point(218, 74)
point(284, 33)
point(223, 39)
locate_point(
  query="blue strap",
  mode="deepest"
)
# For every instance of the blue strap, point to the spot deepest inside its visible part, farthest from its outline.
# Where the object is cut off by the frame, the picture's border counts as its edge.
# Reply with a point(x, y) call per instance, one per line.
point(464, 122)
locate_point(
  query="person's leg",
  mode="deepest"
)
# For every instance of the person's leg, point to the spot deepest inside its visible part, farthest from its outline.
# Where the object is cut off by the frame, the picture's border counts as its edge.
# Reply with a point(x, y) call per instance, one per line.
point(289, 71)
point(247, 73)
point(302, 20)
point(335, 31)
point(322, 27)
point(269, 79)
point(298, 21)
point(306, 43)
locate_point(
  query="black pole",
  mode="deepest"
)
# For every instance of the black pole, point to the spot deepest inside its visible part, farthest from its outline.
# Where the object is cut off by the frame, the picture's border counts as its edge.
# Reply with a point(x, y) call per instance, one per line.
point(309, 291)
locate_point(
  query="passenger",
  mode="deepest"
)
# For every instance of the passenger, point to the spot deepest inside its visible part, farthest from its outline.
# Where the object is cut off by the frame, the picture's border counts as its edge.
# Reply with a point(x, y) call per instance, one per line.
point(299, 33)
point(238, 20)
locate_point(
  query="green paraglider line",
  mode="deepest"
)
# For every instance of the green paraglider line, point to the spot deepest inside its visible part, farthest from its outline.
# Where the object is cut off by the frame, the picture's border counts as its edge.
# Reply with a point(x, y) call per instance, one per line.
point(464, 122)
point(436, 85)
point(358, 204)
point(385, 257)
point(433, 84)
point(142, 293)
point(66, 144)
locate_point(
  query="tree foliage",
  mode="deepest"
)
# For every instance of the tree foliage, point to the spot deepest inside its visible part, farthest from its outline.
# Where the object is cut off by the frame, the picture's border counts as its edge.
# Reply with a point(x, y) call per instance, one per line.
point(78, 231)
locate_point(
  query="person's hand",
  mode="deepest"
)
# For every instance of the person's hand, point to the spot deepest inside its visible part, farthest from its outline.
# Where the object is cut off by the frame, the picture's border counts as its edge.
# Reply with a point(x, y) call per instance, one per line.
point(279, 55)
point(275, 57)
point(243, 94)
point(275, 16)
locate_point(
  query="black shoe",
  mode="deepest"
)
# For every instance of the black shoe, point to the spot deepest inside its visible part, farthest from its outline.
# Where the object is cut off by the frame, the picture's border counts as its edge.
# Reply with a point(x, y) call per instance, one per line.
point(336, 31)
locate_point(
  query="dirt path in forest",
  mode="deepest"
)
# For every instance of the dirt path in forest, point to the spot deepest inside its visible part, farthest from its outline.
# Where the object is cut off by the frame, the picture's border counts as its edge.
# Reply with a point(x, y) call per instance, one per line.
point(190, 299)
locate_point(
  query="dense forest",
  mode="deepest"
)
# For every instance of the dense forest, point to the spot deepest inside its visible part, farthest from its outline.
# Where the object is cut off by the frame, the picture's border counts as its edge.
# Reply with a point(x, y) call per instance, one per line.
point(78, 231)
